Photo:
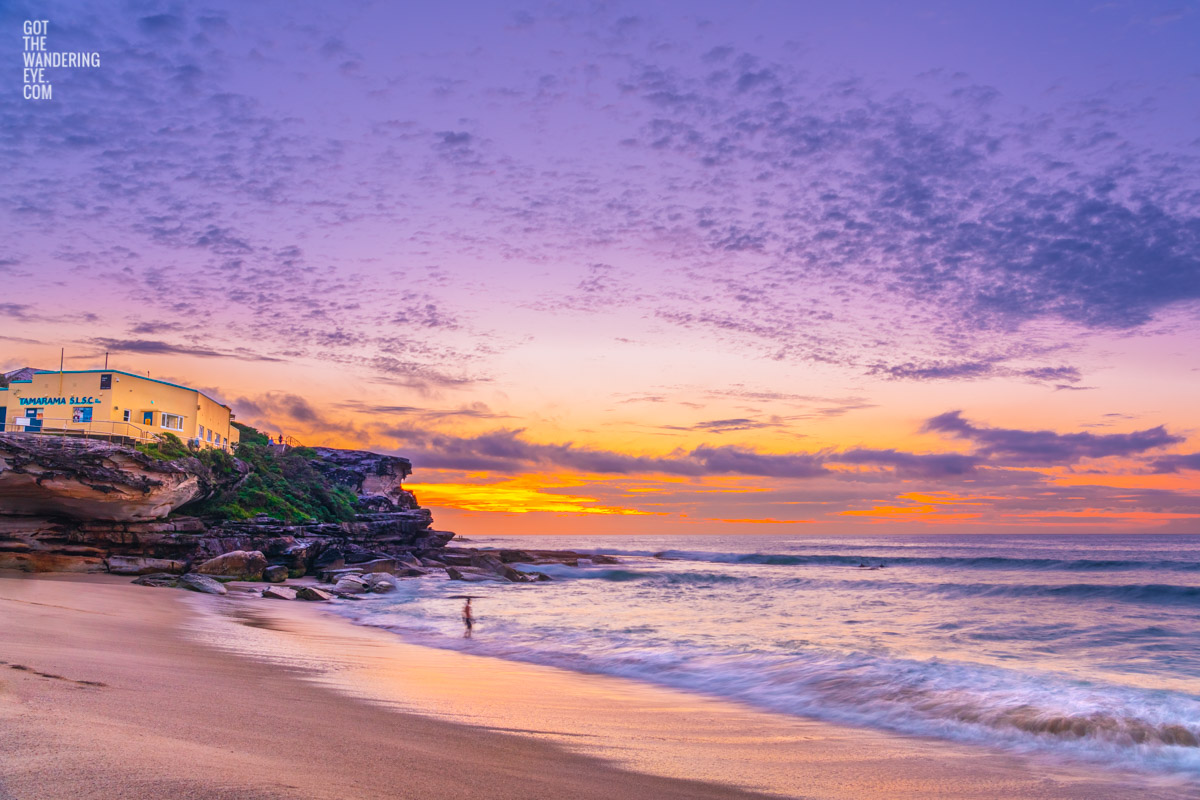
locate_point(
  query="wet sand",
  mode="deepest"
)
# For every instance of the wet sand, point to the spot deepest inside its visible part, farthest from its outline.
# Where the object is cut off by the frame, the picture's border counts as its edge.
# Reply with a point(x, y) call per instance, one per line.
point(114, 690)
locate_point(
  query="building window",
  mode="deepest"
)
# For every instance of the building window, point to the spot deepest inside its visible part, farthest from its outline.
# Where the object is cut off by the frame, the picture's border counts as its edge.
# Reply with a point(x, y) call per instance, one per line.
point(82, 414)
point(201, 433)
point(148, 418)
point(210, 436)
point(172, 422)
point(128, 414)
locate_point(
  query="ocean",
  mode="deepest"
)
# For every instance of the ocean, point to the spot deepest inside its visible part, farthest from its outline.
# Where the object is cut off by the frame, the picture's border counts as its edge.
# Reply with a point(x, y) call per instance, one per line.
point(1077, 647)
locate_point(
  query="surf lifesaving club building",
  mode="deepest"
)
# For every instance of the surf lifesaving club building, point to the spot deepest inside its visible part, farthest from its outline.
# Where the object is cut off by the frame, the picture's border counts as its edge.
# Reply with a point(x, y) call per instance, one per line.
point(112, 403)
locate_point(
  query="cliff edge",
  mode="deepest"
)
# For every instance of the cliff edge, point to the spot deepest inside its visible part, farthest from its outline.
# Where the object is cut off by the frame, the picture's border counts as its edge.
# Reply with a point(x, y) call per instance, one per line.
point(92, 506)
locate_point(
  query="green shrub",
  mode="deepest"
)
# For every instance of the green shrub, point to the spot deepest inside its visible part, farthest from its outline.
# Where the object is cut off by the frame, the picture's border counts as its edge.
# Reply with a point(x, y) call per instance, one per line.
point(284, 486)
point(249, 435)
point(281, 485)
point(165, 447)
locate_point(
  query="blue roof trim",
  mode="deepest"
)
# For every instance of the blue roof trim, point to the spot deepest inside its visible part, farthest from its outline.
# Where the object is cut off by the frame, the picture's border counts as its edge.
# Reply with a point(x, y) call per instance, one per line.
point(120, 372)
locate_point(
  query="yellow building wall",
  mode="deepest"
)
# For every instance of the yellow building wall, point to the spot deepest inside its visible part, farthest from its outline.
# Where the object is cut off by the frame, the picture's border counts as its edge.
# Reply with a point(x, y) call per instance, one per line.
point(130, 396)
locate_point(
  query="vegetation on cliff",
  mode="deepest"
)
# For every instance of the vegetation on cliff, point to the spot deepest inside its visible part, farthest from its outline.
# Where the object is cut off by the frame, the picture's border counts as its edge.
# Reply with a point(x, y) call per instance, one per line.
point(283, 485)
point(250, 435)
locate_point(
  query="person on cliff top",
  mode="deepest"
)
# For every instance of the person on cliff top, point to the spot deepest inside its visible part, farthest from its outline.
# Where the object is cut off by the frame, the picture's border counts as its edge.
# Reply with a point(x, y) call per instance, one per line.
point(468, 619)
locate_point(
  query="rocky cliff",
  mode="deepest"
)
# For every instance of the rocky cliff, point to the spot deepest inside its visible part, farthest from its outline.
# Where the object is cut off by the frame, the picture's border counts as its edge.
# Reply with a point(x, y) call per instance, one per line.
point(88, 506)
point(94, 480)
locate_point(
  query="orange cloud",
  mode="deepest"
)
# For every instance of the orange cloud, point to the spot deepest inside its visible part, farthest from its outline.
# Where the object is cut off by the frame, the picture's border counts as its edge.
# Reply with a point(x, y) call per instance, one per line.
point(517, 496)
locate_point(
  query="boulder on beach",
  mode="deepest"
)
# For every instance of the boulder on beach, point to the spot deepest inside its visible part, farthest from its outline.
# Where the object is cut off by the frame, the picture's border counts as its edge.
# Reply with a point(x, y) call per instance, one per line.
point(472, 575)
point(312, 593)
point(279, 592)
point(201, 583)
point(350, 584)
point(275, 574)
point(333, 575)
point(161, 580)
point(247, 565)
point(380, 582)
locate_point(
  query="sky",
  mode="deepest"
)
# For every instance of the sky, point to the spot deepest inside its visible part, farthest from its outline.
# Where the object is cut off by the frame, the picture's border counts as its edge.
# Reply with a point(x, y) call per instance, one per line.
point(676, 267)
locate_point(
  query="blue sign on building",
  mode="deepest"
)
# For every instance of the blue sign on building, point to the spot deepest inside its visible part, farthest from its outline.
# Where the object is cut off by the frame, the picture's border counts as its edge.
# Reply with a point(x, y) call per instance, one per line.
point(59, 401)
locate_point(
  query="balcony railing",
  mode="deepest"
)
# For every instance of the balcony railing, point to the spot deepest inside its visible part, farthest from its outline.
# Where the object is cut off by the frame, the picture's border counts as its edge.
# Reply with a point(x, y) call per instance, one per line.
point(123, 432)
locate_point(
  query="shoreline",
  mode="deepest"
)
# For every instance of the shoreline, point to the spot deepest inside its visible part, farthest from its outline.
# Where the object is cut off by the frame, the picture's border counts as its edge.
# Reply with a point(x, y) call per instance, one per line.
point(196, 684)
point(102, 695)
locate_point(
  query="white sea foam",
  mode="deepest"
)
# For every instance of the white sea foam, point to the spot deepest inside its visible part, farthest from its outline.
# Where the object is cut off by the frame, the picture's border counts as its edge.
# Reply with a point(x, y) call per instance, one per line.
point(1022, 656)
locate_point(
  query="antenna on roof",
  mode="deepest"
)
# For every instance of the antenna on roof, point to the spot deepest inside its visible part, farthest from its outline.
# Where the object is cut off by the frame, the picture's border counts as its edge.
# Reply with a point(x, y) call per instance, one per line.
point(106, 359)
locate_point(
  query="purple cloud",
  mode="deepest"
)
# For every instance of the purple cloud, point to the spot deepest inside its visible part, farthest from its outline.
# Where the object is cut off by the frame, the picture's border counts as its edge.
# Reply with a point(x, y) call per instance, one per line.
point(1014, 447)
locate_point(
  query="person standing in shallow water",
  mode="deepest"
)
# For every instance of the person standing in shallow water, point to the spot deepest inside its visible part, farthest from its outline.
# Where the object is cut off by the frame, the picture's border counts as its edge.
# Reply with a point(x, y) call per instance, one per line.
point(468, 619)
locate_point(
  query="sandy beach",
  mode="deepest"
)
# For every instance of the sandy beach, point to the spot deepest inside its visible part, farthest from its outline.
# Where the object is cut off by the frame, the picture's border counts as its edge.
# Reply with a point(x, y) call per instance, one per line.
point(113, 690)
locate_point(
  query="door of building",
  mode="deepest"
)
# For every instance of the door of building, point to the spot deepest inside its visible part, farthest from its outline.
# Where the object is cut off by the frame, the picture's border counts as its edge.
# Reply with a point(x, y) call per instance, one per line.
point(36, 416)
point(3, 414)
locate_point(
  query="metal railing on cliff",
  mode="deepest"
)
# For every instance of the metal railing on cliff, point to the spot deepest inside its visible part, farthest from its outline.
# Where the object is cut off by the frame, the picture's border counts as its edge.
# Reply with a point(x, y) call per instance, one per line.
point(283, 443)
point(120, 432)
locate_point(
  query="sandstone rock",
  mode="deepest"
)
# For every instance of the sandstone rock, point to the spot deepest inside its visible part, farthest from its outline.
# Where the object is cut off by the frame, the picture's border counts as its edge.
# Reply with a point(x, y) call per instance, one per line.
point(357, 554)
point(312, 593)
point(58, 542)
point(201, 583)
point(333, 575)
point(488, 562)
point(95, 480)
point(240, 564)
point(51, 562)
point(471, 575)
point(136, 565)
point(349, 585)
point(160, 580)
point(187, 525)
point(378, 565)
point(275, 574)
point(380, 582)
point(374, 477)
point(279, 592)
point(598, 558)
point(329, 559)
